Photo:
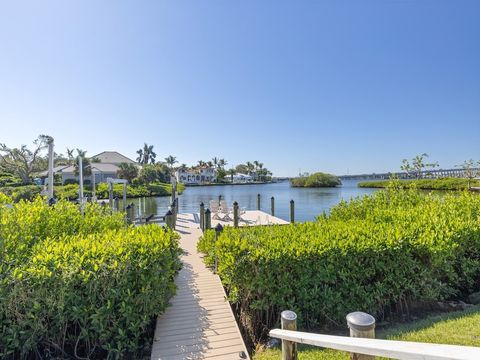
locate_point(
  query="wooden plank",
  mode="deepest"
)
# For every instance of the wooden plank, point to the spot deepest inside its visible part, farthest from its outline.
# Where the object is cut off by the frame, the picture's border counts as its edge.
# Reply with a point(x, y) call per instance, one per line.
point(388, 348)
point(199, 322)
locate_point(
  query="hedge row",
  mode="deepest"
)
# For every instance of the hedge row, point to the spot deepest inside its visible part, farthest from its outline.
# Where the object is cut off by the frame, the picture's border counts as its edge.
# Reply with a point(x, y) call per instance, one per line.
point(80, 286)
point(70, 191)
point(423, 184)
point(369, 254)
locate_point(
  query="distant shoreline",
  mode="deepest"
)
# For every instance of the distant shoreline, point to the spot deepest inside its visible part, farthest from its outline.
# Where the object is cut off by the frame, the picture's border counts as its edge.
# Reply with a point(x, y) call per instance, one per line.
point(227, 184)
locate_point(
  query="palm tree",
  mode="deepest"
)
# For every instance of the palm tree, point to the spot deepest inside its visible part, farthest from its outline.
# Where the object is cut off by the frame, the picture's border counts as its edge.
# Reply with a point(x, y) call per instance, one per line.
point(231, 172)
point(250, 167)
point(260, 170)
point(215, 162)
point(146, 155)
point(222, 163)
point(201, 163)
point(71, 159)
point(86, 168)
point(171, 160)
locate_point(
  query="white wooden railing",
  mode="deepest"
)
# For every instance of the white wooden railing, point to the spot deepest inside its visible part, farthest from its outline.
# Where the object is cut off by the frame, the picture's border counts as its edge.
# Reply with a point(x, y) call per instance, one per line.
point(362, 343)
point(386, 348)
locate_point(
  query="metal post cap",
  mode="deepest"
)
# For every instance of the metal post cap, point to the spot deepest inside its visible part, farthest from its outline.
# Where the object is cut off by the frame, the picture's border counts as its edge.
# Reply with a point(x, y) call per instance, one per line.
point(289, 315)
point(360, 321)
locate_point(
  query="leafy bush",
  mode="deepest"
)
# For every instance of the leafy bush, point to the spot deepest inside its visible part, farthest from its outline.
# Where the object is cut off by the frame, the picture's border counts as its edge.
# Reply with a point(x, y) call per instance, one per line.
point(423, 184)
point(25, 192)
point(369, 254)
point(70, 181)
point(74, 285)
point(70, 192)
point(316, 180)
point(8, 179)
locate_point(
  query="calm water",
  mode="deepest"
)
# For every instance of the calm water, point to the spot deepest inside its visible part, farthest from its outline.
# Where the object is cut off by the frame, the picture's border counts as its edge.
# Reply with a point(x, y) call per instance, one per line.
point(308, 202)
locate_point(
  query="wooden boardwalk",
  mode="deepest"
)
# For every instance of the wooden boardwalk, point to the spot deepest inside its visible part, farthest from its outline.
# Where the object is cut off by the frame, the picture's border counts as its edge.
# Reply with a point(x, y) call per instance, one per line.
point(199, 323)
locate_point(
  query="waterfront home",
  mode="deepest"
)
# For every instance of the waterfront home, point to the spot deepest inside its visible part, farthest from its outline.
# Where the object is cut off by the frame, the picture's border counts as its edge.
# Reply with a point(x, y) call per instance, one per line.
point(104, 165)
point(196, 176)
point(240, 178)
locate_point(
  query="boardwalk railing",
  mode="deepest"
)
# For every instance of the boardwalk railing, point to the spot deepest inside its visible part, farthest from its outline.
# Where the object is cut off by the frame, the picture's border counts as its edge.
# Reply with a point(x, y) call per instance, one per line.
point(367, 348)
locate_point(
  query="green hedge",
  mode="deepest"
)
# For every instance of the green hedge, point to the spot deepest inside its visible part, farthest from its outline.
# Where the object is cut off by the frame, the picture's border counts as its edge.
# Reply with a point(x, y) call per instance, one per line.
point(80, 286)
point(316, 180)
point(423, 184)
point(25, 192)
point(370, 254)
point(70, 191)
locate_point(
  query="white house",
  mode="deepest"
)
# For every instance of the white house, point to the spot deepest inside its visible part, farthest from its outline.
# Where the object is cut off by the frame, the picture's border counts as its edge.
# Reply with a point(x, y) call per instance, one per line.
point(196, 176)
point(242, 178)
point(107, 167)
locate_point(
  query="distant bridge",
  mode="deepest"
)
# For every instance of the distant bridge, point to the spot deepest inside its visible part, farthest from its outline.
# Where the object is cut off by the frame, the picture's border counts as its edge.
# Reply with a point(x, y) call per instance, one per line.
point(426, 174)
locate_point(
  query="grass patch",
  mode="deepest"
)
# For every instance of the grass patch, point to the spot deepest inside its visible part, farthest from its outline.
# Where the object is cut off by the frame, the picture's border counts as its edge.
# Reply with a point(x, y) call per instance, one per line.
point(457, 328)
point(423, 184)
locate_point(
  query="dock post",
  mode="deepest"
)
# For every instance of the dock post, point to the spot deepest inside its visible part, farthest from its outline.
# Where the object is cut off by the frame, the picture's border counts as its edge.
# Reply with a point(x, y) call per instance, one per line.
point(202, 215)
point(258, 201)
point(235, 214)
point(110, 195)
point(273, 205)
point(218, 231)
point(169, 220)
point(124, 196)
point(361, 325)
point(292, 211)
point(208, 220)
point(289, 322)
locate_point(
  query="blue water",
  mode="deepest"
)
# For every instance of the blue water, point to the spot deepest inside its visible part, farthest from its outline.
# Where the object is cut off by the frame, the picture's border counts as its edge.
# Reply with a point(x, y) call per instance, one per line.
point(308, 202)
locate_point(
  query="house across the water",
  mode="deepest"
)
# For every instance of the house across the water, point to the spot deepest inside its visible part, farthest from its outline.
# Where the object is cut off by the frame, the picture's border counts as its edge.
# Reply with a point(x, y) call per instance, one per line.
point(196, 176)
point(104, 165)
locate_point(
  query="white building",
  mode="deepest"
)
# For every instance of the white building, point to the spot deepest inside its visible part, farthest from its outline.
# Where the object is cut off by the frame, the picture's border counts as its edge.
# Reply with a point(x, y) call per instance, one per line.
point(107, 167)
point(196, 176)
point(242, 178)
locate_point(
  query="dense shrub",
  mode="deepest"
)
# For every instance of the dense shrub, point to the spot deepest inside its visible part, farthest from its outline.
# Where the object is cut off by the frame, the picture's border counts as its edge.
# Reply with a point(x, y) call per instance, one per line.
point(84, 286)
point(70, 181)
point(369, 254)
point(316, 180)
point(25, 192)
point(424, 184)
point(70, 191)
point(8, 179)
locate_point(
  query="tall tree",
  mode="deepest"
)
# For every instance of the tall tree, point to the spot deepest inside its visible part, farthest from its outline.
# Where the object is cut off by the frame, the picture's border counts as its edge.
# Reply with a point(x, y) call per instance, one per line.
point(215, 162)
point(24, 162)
point(222, 163)
point(231, 172)
point(86, 164)
point(250, 168)
point(171, 160)
point(417, 165)
point(469, 170)
point(127, 171)
point(146, 155)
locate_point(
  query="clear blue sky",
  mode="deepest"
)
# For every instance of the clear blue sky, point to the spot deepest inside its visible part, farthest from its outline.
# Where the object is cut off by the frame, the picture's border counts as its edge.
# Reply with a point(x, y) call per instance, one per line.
point(333, 85)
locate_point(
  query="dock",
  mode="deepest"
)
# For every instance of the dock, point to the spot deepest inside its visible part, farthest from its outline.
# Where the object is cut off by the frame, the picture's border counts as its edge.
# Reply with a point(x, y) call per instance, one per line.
point(199, 323)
